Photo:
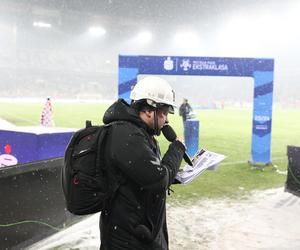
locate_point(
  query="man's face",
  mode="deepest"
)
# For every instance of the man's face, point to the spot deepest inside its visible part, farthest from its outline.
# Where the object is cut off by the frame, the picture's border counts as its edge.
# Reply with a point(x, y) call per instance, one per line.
point(162, 116)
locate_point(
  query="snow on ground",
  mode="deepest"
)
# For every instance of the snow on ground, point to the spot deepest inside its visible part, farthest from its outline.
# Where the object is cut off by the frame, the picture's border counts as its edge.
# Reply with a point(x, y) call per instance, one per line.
point(6, 125)
point(266, 220)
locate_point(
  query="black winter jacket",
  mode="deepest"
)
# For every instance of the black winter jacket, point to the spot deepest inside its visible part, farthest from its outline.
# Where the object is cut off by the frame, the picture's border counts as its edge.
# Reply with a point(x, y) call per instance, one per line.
point(184, 110)
point(136, 218)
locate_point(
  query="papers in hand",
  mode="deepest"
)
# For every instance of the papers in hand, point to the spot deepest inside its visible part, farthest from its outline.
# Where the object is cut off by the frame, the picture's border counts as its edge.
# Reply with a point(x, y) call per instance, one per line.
point(202, 160)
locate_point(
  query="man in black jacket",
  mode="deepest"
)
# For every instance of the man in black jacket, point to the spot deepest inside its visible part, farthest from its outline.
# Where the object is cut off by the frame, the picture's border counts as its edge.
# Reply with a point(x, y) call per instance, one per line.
point(136, 216)
point(185, 109)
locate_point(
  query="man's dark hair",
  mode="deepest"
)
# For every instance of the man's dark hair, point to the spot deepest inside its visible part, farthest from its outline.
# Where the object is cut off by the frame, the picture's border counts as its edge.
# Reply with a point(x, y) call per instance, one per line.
point(142, 105)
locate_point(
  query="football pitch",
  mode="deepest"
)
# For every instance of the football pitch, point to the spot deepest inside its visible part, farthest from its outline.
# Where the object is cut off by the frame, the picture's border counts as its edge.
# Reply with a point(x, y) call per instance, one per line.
point(226, 131)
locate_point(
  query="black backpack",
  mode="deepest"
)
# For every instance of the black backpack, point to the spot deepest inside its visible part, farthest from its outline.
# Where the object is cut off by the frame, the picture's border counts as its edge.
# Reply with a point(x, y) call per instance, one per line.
point(84, 174)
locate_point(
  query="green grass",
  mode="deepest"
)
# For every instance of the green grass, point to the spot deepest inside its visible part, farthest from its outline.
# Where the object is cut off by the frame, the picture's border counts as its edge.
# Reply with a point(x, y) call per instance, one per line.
point(223, 131)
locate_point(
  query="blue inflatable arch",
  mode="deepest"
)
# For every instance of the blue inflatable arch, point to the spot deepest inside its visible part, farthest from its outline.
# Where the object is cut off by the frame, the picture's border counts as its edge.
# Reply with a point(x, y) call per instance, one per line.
point(262, 70)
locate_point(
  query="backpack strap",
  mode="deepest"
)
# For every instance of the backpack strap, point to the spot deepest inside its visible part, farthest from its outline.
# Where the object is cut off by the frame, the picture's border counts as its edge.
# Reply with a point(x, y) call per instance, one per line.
point(116, 183)
point(88, 124)
point(101, 140)
point(100, 158)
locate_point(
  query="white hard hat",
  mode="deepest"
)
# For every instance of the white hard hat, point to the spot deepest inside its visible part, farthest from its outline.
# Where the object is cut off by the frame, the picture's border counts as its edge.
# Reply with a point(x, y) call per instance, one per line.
point(155, 90)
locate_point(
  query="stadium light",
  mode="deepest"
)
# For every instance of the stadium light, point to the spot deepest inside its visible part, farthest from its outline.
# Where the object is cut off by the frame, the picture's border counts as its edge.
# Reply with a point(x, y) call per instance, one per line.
point(42, 25)
point(144, 37)
point(186, 38)
point(97, 31)
point(239, 36)
point(187, 42)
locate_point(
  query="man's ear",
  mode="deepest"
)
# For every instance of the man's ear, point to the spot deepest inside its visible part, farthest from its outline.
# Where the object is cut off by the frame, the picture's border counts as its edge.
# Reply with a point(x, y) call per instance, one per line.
point(146, 114)
point(149, 113)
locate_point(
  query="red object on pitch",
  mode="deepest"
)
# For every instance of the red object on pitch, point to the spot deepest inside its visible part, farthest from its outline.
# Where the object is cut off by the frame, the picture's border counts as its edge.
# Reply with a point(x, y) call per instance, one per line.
point(7, 149)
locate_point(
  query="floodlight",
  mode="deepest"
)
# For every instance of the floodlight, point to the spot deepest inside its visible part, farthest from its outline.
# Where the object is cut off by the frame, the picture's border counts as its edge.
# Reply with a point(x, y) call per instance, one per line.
point(240, 35)
point(144, 36)
point(97, 31)
point(187, 42)
point(42, 24)
point(186, 37)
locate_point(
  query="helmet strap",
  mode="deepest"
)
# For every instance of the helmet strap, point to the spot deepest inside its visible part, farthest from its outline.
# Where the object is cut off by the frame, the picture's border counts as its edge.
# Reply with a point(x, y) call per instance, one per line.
point(155, 120)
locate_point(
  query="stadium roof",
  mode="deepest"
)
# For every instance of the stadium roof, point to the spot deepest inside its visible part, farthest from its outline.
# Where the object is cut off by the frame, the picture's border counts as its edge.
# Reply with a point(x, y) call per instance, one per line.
point(201, 14)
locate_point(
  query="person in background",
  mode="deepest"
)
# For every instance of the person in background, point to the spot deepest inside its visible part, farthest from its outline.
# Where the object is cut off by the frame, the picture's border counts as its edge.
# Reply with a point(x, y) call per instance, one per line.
point(47, 114)
point(135, 218)
point(185, 109)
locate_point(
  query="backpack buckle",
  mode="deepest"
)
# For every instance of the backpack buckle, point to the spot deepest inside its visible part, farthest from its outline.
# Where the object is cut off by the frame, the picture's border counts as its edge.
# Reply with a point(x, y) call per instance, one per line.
point(75, 180)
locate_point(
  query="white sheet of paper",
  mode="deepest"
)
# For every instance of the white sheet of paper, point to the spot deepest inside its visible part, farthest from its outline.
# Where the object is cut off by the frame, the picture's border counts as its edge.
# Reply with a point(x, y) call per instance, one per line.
point(202, 160)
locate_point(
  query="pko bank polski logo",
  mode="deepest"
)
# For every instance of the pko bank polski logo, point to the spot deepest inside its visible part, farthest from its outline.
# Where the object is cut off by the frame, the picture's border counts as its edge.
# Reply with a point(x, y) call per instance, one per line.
point(185, 65)
point(200, 65)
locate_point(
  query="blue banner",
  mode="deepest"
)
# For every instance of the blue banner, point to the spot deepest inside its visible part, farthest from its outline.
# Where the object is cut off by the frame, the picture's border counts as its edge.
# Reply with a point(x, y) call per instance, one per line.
point(262, 116)
point(208, 66)
point(191, 136)
point(19, 147)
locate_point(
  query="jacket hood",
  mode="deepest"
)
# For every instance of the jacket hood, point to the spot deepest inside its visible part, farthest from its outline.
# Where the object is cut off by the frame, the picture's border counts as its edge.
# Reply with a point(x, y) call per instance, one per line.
point(122, 111)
